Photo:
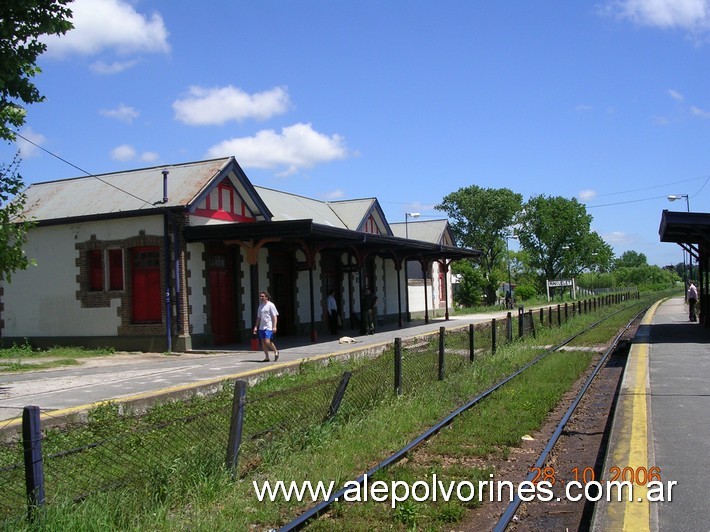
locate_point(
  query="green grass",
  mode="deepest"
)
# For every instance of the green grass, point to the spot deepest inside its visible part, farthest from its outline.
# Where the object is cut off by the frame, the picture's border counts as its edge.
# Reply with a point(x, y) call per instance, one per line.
point(179, 448)
point(23, 357)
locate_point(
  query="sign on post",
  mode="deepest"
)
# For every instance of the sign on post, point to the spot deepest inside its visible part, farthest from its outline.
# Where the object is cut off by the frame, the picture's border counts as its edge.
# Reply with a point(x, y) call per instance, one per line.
point(561, 283)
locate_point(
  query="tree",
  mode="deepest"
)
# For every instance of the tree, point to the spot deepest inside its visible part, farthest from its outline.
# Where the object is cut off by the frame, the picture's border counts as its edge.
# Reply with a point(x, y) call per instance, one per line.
point(22, 23)
point(631, 259)
point(470, 285)
point(13, 235)
point(480, 218)
point(555, 233)
point(645, 277)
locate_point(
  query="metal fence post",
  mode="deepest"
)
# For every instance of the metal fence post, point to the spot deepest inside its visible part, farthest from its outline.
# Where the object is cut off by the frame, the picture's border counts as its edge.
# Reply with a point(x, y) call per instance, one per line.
point(442, 337)
point(34, 467)
point(521, 321)
point(559, 315)
point(493, 335)
point(339, 393)
point(509, 327)
point(236, 426)
point(398, 366)
point(471, 341)
point(532, 324)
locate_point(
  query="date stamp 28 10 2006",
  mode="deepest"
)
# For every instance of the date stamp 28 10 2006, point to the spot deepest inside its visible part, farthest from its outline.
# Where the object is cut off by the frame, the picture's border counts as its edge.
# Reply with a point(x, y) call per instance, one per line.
point(581, 483)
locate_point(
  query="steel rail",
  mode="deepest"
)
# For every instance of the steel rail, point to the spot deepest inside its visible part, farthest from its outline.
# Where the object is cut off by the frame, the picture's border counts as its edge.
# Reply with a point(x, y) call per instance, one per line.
point(318, 509)
point(509, 513)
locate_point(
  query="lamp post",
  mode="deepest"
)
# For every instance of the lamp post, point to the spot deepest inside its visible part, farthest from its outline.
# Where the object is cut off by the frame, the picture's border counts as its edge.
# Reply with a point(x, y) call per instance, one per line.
point(674, 197)
point(507, 253)
point(407, 216)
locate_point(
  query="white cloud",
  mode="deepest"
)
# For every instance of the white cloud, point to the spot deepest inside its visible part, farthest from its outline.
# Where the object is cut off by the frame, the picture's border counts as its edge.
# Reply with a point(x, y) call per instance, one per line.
point(149, 156)
point(583, 108)
point(101, 67)
point(223, 104)
point(30, 149)
point(685, 14)
point(124, 152)
point(297, 146)
point(616, 238)
point(113, 25)
point(697, 111)
point(334, 195)
point(676, 95)
point(587, 194)
point(124, 113)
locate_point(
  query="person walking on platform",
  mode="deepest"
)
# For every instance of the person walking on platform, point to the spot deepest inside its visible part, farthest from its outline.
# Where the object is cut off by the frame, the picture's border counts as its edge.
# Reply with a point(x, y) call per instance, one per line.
point(265, 324)
point(692, 300)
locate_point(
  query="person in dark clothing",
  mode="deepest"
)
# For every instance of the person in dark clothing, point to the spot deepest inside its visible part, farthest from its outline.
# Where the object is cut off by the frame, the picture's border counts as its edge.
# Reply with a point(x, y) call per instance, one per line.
point(332, 312)
point(369, 309)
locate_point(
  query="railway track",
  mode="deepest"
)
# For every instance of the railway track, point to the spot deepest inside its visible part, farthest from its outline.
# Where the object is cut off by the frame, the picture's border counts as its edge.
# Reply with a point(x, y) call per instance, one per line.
point(510, 518)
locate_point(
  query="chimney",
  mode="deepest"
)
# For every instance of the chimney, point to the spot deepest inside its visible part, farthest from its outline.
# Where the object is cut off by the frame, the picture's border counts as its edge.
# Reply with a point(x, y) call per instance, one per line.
point(165, 186)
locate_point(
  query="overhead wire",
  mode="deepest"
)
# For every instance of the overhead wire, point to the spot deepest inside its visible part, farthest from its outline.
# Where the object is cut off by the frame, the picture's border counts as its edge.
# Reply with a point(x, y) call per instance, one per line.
point(651, 198)
point(89, 174)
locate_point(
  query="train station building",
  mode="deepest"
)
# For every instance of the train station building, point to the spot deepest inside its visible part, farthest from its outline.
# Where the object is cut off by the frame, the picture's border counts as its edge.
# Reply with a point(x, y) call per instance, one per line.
point(173, 258)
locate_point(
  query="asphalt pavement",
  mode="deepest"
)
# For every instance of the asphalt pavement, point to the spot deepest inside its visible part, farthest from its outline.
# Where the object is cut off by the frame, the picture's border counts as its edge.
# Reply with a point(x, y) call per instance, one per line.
point(140, 378)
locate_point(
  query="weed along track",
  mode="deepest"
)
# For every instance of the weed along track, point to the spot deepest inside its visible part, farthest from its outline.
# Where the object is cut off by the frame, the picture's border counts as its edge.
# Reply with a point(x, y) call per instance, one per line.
point(469, 469)
point(426, 430)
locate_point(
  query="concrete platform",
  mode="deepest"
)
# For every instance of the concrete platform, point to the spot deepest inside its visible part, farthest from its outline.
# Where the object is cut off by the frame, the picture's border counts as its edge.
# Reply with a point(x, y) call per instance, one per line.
point(139, 379)
point(660, 428)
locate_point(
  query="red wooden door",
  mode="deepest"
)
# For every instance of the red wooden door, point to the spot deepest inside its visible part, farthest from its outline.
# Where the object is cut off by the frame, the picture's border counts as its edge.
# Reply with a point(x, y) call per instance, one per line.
point(222, 316)
point(145, 262)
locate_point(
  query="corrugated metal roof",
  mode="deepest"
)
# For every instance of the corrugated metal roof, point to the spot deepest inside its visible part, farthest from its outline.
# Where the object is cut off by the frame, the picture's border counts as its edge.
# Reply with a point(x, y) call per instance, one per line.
point(425, 230)
point(132, 190)
point(352, 212)
point(285, 206)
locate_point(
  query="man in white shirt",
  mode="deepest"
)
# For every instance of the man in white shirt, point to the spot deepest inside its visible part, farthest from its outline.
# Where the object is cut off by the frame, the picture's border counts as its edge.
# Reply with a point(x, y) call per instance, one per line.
point(692, 300)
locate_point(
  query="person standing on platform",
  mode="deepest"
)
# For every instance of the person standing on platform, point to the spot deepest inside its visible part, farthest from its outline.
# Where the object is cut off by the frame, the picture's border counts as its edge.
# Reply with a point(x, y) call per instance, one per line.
point(332, 312)
point(692, 300)
point(265, 324)
point(369, 304)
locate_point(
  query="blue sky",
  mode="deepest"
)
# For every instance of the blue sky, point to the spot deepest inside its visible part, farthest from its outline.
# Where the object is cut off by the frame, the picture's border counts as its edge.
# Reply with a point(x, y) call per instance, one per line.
point(406, 101)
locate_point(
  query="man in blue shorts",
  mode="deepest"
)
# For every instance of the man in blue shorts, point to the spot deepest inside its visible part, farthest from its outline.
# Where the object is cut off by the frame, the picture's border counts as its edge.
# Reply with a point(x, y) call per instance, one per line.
point(265, 324)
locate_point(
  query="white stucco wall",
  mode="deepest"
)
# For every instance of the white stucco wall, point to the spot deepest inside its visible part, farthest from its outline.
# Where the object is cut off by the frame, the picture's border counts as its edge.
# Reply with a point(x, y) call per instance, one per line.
point(196, 288)
point(390, 289)
point(42, 301)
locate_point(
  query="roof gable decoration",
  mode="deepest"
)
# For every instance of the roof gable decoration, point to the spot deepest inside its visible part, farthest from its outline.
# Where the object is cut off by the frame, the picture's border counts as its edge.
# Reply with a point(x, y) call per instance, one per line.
point(228, 198)
point(225, 204)
point(374, 221)
point(447, 237)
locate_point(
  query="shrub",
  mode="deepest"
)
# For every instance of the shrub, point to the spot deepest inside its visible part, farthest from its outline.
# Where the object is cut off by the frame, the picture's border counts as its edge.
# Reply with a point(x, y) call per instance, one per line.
point(525, 291)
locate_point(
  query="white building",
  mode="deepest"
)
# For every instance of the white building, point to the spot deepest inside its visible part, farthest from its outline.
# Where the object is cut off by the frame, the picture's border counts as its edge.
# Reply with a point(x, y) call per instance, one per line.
point(173, 258)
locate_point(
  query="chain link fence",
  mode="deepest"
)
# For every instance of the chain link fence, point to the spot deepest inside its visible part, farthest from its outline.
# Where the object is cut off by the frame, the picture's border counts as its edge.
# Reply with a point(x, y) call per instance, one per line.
point(148, 452)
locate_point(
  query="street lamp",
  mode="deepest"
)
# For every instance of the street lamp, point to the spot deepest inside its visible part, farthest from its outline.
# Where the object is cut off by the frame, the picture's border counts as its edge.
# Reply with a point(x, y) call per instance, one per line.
point(407, 216)
point(674, 197)
point(507, 252)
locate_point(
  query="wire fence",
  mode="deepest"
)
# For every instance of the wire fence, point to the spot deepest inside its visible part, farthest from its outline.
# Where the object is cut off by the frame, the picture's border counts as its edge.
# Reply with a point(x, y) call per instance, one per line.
point(149, 452)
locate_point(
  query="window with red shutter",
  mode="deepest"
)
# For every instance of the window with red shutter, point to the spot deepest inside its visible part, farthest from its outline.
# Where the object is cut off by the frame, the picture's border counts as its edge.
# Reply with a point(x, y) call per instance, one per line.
point(115, 269)
point(96, 270)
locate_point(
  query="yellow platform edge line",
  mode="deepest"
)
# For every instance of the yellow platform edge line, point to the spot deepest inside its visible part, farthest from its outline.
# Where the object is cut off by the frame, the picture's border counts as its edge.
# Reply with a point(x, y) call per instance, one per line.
point(637, 513)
